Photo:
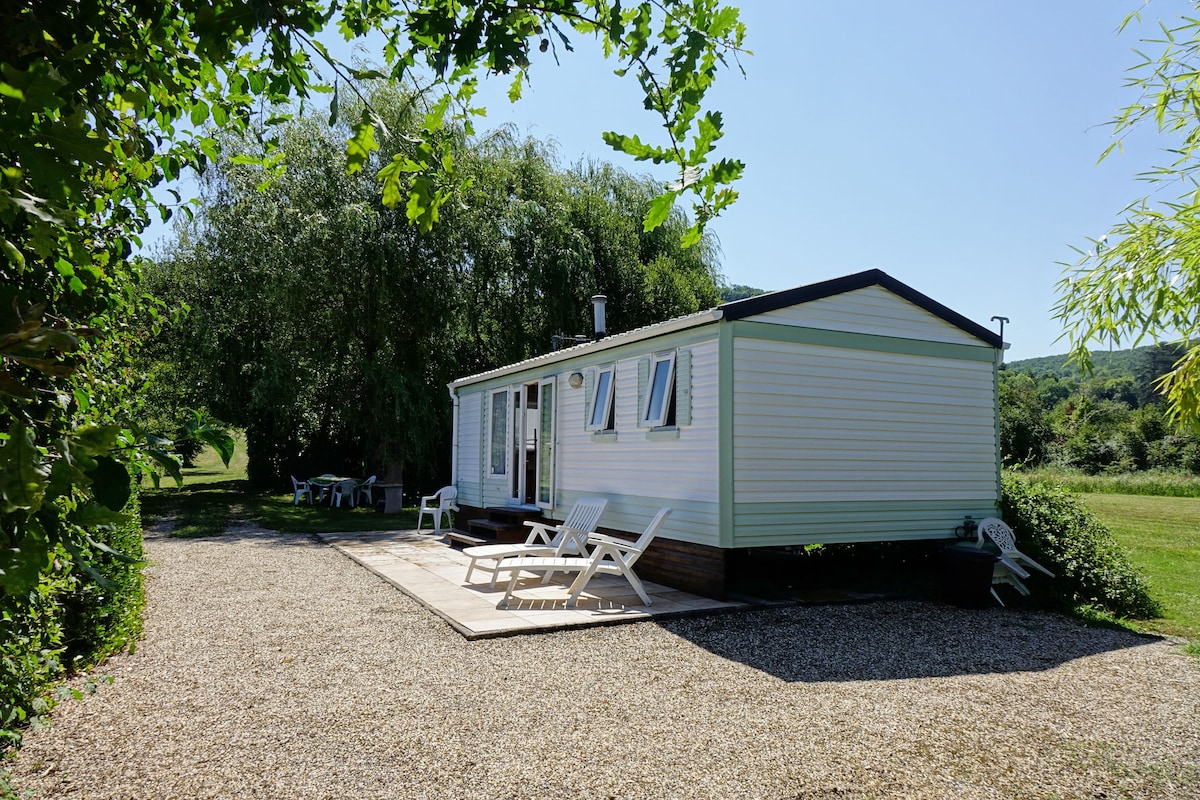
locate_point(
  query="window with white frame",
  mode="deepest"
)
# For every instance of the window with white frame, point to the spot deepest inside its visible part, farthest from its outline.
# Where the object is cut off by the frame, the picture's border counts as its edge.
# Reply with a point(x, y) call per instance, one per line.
point(601, 418)
point(498, 433)
point(659, 405)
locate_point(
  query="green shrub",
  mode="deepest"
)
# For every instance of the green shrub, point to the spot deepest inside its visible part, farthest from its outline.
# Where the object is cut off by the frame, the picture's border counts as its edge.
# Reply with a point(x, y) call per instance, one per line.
point(31, 646)
point(1091, 568)
point(99, 621)
point(68, 623)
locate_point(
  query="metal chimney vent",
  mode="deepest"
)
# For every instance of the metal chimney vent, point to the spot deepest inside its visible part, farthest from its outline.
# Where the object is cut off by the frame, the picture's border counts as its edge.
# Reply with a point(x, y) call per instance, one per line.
point(598, 302)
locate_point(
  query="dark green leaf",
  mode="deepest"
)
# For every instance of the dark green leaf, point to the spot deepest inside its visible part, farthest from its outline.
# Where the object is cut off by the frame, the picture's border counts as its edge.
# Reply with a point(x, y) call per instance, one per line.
point(110, 483)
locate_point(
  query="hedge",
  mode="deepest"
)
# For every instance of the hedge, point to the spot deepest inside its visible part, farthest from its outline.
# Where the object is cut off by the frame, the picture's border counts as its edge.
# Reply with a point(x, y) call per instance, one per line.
point(67, 624)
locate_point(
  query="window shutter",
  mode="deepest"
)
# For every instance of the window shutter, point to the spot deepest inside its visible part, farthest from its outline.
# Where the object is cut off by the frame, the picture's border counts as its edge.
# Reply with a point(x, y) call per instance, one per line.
point(589, 388)
point(683, 388)
point(643, 380)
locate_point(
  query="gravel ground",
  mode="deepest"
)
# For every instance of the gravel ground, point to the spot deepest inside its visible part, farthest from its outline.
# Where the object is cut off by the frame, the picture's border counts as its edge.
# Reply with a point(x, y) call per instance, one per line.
point(273, 667)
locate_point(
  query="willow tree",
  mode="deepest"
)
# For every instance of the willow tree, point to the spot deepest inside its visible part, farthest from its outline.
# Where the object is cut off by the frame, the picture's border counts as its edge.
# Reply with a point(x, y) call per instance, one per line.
point(327, 326)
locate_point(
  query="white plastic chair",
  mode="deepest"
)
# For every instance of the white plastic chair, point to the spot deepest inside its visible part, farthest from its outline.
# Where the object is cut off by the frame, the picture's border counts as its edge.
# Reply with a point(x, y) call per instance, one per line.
point(611, 556)
point(567, 538)
point(344, 489)
point(439, 503)
point(364, 491)
point(302, 489)
point(323, 490)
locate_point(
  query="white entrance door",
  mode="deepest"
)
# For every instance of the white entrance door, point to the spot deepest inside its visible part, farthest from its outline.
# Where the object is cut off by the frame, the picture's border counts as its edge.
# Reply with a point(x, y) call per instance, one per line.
point(545, 444)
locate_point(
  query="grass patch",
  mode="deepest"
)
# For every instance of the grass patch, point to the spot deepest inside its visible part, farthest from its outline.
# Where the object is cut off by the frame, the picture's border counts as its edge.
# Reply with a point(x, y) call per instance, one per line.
point(208, 468)
point(1164, 542)
point(214, 496)
point(277, 513)
point(1158, 484)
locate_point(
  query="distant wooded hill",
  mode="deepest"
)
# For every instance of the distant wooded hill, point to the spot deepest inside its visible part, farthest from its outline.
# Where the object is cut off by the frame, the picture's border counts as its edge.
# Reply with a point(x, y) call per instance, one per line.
point(739, 292)
point(1109, 421)
point(1105, 363)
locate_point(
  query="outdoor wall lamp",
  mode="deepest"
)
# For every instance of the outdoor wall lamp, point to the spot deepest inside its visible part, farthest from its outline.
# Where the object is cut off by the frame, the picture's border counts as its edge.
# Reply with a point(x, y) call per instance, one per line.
point(575, 380)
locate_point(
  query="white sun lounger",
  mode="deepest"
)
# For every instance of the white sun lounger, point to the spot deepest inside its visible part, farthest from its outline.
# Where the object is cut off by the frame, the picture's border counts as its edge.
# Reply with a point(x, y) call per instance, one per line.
point(568, 537)
point(610, 556)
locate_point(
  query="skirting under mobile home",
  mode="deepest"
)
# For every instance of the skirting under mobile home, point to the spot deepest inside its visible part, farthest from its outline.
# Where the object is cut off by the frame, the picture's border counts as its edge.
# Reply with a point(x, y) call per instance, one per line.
point(853, 410)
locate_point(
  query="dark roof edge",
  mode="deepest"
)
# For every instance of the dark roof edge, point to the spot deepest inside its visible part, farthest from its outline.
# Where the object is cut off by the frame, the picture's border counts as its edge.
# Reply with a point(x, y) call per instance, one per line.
point(761, 304)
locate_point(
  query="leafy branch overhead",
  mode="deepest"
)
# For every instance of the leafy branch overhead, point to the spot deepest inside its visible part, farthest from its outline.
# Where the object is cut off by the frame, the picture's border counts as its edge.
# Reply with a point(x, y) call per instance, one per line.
point(674, 48)
point(102, 102)
point(1140, 281)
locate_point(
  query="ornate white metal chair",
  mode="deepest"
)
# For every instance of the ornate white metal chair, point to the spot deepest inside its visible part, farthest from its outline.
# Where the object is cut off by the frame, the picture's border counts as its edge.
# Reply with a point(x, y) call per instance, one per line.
point(610, 556)
point(1002, 536)
point(1010, 569)
point(439, 503)
point(567, 538)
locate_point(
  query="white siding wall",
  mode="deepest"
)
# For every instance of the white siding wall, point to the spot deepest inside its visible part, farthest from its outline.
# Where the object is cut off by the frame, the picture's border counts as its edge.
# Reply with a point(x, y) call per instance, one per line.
point(470, 449)
point(872, 310)
point(640, 474)
point(824, 424)
point(637, 473)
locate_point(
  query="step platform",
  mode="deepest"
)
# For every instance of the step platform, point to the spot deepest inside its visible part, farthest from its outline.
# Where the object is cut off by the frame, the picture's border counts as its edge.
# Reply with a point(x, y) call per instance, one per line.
point(503, 525)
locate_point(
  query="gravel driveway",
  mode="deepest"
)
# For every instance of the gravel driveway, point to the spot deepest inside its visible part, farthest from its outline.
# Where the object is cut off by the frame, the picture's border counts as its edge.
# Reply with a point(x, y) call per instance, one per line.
point(273, 667)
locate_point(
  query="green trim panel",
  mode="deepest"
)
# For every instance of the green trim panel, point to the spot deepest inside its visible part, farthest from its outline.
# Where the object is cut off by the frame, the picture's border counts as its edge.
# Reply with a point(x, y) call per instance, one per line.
point(828, 522)
point(996, 396)
point(725, 433)
point(860, 341)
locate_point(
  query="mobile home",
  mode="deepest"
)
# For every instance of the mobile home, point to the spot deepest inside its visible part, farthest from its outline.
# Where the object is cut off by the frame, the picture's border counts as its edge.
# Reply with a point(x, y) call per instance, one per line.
point(851, 410)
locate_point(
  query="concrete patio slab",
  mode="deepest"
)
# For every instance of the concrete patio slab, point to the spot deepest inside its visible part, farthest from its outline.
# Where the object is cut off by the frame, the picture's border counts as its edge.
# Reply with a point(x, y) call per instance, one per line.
point(428, 570)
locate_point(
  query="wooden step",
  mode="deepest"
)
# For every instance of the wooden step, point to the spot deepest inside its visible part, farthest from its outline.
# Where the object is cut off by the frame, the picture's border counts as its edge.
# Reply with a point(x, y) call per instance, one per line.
point(498, 531)
point(462, 539)
point(512, 516)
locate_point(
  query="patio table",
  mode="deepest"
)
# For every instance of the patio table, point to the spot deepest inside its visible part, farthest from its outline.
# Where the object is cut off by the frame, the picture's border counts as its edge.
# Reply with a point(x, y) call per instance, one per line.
point(324, 484)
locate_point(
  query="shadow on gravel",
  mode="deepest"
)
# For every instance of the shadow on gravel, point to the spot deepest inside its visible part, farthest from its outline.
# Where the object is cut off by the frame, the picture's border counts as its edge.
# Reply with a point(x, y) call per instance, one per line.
point(239, 533)
point(897, 640)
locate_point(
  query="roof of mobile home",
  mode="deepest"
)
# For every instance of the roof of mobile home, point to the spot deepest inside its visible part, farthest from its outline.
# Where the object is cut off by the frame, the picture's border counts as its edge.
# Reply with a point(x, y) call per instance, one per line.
point(751, 306)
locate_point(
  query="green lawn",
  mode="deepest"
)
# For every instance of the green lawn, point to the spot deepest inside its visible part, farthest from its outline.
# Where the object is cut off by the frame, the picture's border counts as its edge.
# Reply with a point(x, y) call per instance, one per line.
point(1163, 536)
point(212, 496)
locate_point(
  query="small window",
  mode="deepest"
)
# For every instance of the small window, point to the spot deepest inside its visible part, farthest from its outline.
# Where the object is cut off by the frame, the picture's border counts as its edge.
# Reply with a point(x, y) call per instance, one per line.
point(660, 395)
point(498, 434)
point(602, 402)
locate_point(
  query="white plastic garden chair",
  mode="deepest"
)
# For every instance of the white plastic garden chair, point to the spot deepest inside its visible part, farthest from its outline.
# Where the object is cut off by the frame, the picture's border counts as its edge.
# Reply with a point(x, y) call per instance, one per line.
point(569, 537)
point(439, 503)
point(364, 492)
point(302, 489)
point(344, 489)
point(323, 489)
point(610, 556)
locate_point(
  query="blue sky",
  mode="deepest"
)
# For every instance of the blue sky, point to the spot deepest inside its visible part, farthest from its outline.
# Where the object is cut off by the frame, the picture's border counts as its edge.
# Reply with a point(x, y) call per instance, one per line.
point(952, 145)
